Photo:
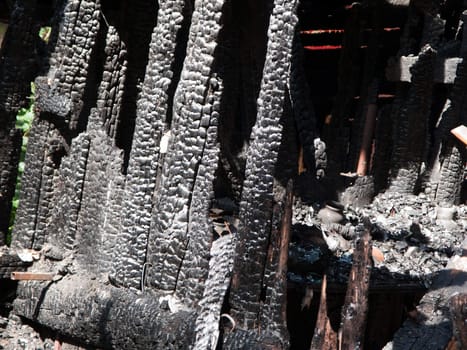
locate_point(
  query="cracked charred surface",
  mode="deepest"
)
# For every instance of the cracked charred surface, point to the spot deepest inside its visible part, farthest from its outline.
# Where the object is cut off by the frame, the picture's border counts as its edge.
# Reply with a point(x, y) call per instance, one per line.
point(180, 224)
point(412, 124)
point(142, 140)
point(151, 124)
point(257, 204)
point(107, 203)
point(19, 46)
point(59, 103)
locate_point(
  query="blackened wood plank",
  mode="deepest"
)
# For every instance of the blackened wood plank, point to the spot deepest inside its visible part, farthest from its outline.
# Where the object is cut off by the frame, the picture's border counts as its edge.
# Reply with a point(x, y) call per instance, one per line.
point(355, 307)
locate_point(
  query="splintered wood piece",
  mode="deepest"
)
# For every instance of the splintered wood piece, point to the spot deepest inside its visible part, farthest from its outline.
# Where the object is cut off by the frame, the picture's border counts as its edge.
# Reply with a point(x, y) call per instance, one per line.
point(284, 245)
point(461, 133)
point(355, 307)
point(31, 276)
point(285, 229)
point(458, 307)
point(274, 314)
point(364, 155)
point(377, 255)
point(324, 336)
point(301, 163)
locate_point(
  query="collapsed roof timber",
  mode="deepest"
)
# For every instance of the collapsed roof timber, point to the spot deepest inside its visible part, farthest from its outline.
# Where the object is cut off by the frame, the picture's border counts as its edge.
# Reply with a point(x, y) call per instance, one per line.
point(180, 148)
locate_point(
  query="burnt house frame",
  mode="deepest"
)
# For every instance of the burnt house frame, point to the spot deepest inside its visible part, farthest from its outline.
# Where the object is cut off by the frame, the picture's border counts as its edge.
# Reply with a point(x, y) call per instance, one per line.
point(155, 118)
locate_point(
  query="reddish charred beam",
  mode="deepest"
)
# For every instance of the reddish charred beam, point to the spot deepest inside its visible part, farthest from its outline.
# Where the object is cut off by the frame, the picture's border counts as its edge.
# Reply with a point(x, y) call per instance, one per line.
point(327, 47)
point(322, 31)
point(340, 31)
point(370, 121)
point(284, 246)
point(31, 276)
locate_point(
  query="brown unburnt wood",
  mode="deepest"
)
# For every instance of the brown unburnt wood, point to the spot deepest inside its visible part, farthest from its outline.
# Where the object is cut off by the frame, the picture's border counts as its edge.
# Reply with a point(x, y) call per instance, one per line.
point(31, 276)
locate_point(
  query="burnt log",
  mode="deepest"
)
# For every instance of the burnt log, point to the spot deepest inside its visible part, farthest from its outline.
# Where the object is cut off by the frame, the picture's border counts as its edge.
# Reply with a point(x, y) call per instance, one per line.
point(105, 316)
point(432, 325)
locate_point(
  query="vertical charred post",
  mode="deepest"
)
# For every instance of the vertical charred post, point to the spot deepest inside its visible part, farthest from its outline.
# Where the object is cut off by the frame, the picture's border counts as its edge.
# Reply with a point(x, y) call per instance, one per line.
point(458, 309)
point(59, 102)
point(410, 148)
point(409, 151)
point(256, 208)
point(99, 221)
point(302, 107)
point(244, 39)
point(139, 19)
point(355, 308)
point(18, 66)
point(336, 131)
point(360, 145)
point(152, 122)
point(180, 235)
point(447, 168)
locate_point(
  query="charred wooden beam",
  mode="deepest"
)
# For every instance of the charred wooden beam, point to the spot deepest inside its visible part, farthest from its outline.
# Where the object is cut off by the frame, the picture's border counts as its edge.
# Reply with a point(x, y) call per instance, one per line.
point(335, 133)
point(256, 208)
point(273, 312)
point(10, 146)
point(146, 156)
point(432, 325)
point(180, 235)
point(447, 164)
point(208, 322)
point(99, 189)
point(59, 102)
point(103, 316)
point(355, 309)
point(324, 337)
point(18, 68)
point(411, 136)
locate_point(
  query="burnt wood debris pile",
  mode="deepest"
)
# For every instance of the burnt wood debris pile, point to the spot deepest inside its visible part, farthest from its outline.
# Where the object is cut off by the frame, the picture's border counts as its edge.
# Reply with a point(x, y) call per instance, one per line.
point(215, 174)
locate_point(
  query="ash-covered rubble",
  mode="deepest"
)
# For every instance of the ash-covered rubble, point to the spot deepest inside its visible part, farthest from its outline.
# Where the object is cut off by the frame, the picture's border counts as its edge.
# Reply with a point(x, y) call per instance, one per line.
point(15, 335)
point(412, 237)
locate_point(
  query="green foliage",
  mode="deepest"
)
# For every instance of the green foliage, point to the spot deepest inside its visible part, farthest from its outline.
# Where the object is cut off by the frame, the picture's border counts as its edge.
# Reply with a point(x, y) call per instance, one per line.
point(44, 33)
point(3, 28)
point(23, 122)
